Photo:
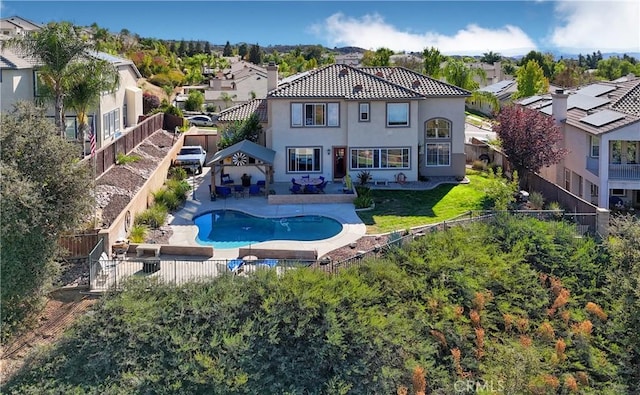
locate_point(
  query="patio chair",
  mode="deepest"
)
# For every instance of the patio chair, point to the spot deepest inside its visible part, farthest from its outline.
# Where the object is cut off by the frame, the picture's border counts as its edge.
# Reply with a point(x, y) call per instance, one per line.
point(261, 183)
point(238, 190)
point(322, 186)
point(305, 176)
point(311, 189)
point(235, 265)
point(293, 181)
point(226, 179)
point(254, 190)
point(295, 189)
point(222, 191)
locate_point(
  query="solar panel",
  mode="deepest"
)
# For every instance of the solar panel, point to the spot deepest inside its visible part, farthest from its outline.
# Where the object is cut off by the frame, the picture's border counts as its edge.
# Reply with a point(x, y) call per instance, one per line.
point(601, 118)
point(595, 90)
point(530, 100)
point(497, 87)
point(584, 102)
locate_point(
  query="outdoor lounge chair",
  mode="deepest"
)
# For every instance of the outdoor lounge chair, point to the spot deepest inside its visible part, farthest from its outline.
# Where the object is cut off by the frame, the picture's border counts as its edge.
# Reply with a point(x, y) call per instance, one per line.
point(235, 265)
point(268, 262)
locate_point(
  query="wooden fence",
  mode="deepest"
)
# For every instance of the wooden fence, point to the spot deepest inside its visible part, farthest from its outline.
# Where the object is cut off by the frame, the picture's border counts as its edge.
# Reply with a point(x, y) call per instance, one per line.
point(78, 245)
point(106, 156)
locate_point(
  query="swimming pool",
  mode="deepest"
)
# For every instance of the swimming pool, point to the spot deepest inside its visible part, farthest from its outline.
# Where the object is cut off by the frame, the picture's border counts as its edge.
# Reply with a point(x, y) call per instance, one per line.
point(233, 229)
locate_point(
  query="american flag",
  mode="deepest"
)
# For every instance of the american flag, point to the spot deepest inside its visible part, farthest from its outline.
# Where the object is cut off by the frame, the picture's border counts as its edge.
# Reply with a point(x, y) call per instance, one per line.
point(92, 139)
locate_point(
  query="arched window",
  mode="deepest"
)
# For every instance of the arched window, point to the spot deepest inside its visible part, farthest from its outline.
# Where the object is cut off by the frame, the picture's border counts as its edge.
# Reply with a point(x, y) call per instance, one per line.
point(438, 128)
point(438, 142)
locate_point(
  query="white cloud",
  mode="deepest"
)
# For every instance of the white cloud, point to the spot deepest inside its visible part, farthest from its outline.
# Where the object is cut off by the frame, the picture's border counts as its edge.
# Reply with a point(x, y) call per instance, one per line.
point(372, 32)
point(598, 25)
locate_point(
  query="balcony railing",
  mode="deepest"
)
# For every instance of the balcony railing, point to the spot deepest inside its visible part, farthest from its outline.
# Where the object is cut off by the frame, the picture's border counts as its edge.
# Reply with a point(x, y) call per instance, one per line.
point(624, 171)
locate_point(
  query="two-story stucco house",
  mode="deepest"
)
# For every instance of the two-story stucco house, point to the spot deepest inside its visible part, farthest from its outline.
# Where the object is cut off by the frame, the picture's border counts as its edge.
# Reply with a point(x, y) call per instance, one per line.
point(601, 128)
point(114, 113)
point(339, 119)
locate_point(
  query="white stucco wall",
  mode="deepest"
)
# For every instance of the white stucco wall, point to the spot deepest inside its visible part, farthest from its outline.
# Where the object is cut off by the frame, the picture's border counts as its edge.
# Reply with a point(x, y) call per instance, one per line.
point(16, 85)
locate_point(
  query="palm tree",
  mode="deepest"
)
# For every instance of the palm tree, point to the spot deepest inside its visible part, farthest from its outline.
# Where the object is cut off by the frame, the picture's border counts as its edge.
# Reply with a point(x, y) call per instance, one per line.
point(89, 80)
point(56, 47)
point(227, 99)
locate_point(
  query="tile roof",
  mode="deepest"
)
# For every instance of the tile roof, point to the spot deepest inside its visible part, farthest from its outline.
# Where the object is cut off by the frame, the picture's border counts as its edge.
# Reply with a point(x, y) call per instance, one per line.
point(338, 81)
point(243, 111)
point(621, 97)
point(420, 83)
point(351, 83)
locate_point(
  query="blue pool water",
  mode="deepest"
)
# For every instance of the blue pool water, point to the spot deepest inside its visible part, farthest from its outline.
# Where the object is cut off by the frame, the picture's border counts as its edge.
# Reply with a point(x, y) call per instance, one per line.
point(233, 229)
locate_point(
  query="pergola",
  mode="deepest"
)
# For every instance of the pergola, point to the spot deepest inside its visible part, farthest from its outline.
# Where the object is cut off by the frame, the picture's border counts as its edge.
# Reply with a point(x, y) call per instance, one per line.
point(240, 154)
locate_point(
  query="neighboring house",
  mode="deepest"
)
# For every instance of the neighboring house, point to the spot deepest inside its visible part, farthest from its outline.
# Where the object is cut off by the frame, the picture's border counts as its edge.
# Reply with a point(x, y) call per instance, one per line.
point(601, 128)
point(244, 81)
point(115, 112)
point(17, 26)
point(339, 119)
point(503, 91)
point(494, 73)
point(351, 59)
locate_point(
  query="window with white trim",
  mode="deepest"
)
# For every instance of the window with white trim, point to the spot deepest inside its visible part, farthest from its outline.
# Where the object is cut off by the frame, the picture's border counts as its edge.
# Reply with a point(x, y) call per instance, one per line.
point(594, 143)
point(303, 159)
point(111, 123)
point(438, 128)
point(438, 154)
point(380, 158)
point(397, 114)
point(618, 192)
point(315, 114)
point(363, 111)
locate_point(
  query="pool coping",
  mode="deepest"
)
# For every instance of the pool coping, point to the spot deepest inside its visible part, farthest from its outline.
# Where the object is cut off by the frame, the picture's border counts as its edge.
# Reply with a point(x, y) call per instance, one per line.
point(185, 231)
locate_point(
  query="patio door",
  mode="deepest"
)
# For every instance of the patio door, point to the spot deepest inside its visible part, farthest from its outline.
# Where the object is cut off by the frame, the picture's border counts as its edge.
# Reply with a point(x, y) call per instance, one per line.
point(339, 162)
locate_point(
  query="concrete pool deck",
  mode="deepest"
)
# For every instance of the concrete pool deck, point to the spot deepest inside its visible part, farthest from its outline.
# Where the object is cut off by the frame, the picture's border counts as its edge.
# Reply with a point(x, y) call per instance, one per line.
point(184, 230)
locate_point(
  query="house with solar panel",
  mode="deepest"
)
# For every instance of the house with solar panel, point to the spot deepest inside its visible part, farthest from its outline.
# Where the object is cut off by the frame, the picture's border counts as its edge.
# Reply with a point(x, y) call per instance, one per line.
point(114, 114)
point(339, 119)
point(601, 129)
point(503, 91)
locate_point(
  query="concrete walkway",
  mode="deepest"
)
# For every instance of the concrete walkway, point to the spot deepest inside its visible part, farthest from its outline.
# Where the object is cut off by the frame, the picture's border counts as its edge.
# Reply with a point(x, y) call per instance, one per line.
point(184, 231)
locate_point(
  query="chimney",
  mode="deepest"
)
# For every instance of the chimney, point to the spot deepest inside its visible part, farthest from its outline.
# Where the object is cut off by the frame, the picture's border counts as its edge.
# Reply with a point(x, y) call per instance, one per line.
point(559, 105)
point(215, 84)
point(497, 72)
point(272, 76)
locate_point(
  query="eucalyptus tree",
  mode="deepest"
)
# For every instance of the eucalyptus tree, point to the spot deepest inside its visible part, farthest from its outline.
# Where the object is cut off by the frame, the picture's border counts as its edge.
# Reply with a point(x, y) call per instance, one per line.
point(56, 47)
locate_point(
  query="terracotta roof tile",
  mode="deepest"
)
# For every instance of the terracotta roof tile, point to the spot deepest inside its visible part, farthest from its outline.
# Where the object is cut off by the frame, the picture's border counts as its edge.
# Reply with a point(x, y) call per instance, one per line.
point(243, 111)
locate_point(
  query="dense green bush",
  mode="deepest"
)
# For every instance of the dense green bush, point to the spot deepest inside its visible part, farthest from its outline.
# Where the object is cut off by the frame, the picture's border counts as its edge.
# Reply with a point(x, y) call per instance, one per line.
point(515, 301)
point(154, 216)
point(177, 173)
point(138, 233)
point(167, 198)
point(365, 201)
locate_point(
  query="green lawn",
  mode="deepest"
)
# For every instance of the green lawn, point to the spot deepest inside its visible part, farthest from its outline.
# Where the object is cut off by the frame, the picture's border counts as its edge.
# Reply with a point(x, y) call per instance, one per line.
point(400, 210)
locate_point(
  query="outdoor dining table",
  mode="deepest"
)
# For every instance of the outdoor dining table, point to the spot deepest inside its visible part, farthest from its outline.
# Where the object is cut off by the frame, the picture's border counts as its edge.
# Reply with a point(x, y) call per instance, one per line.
point(308, 181)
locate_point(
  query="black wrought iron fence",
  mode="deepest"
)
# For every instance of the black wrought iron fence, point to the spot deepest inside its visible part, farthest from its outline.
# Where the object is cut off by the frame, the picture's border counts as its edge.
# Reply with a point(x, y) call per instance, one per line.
point(107, 273)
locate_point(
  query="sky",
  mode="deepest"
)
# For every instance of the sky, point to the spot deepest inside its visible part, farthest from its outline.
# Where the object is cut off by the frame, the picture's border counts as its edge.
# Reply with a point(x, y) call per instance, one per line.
point(509, 28)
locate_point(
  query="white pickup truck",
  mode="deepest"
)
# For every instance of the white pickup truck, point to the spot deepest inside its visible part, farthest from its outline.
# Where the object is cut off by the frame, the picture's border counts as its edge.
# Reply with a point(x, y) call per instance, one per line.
point(191, 157)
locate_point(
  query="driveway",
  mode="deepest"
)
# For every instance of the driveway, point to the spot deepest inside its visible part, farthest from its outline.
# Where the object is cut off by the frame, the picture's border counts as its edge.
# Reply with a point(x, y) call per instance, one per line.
point(484, 133)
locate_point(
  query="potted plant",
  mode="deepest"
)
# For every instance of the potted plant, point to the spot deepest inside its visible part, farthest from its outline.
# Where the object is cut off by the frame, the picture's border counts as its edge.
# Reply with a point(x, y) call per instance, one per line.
point(246, 180)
